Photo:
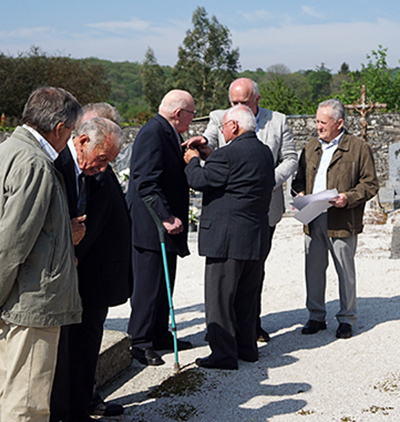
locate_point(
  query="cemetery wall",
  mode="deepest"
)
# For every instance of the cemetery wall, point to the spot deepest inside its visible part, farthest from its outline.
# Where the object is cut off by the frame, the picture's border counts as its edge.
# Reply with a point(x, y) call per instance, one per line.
point(383, 134)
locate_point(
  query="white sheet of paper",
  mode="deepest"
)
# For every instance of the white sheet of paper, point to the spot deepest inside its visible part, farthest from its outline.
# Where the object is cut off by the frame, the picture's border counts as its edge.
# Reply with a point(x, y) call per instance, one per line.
point(311, 206)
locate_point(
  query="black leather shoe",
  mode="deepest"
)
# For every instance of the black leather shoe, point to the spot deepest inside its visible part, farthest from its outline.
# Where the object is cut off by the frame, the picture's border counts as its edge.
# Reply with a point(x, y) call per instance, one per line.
point(312, 327)
point(344, 330)
point(262, 336)
point(208, 363)
point(147, 356)
point(169, 345)
point(98, 407)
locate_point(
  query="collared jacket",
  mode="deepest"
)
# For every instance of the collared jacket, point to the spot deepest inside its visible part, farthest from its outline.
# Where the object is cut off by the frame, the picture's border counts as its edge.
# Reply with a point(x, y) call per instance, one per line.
point(38, 278)
point(351, 171)
point(273, 131)
point(237, 182)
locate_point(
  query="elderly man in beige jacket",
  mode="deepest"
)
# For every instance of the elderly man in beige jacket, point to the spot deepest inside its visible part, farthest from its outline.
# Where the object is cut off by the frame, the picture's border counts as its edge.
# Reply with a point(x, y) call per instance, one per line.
point(38, 279)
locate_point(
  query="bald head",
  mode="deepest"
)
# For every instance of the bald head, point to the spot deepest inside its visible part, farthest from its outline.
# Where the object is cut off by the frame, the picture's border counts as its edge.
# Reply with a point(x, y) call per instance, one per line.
point(178, 108)
point(244, 91)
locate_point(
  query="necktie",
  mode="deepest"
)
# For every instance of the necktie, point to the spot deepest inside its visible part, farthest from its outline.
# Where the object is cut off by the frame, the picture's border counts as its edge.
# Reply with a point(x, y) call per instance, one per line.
point(81, 207)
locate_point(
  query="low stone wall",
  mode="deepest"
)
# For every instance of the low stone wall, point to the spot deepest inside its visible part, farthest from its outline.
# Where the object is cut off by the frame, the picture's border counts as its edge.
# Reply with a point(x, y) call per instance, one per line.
point(383, 130)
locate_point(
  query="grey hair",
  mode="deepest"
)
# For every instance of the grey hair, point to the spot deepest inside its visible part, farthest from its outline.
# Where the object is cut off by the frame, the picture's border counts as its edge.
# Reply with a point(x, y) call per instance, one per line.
point(254, 87)
point(101, 110)
point(338, 110)
point(244, 116)
point(48, 106)
point(99, 130)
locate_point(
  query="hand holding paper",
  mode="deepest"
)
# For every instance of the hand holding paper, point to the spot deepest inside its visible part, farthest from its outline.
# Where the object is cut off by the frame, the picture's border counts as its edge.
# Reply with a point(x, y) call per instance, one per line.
point(311, 206)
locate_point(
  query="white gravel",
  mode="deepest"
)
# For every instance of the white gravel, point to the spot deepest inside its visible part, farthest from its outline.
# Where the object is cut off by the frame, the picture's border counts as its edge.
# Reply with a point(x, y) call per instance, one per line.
point(297, 378)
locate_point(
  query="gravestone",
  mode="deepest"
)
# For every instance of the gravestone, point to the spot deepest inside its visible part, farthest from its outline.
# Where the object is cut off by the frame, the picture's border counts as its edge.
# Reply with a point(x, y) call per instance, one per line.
point(394, 174)
point(394, 184)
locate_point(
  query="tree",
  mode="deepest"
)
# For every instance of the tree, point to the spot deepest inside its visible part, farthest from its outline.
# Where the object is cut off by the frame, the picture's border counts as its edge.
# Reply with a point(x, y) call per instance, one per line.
point(154, 81)
point(207, 64)
point(319, 81)
point(382, 83)
point(344, 69)
point(20, 75)
point(278, 70)
point(276, 95)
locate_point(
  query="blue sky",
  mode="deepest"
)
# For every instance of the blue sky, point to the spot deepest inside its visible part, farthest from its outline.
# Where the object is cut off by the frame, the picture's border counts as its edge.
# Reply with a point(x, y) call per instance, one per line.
point(299, 34)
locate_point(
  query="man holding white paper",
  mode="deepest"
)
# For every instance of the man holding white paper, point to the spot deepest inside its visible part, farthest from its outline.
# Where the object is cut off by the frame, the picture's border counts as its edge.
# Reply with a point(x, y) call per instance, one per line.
point(334, 160)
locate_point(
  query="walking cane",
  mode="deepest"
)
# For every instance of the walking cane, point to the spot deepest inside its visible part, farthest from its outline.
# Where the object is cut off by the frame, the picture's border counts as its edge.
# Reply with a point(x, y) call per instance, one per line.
point(161, 234)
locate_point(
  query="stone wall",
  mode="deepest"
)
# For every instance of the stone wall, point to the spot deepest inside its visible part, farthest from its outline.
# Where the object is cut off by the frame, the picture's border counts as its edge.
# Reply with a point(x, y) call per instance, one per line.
point(383, 130)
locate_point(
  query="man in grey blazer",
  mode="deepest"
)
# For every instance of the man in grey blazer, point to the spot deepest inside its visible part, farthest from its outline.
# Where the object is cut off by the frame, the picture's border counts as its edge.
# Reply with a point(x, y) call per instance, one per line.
point(237, 183)
point(273, 130)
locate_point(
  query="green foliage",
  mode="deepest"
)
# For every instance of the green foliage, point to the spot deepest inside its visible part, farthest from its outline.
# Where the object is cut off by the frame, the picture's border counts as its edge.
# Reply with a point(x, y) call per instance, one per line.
point(382, 83)
point(344, 69)
point(154, 81)
point(20, 75)
point(207, 64)
point(318, 81)
point(278, 95)
point(126, 88)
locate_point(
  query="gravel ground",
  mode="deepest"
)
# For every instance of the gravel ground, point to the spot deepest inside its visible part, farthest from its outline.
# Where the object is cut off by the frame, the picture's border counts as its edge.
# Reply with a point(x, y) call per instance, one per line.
point(297, 378)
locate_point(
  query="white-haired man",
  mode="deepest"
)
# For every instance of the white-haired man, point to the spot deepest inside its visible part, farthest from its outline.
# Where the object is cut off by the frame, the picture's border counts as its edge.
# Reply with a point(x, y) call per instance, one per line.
point(102, 239)
point(237, 183)
point(157, 177)
point(271, 129)
point(334, 160)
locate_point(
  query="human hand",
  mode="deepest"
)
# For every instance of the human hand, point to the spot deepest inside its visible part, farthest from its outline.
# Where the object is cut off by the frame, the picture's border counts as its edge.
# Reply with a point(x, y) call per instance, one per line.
point(205, 151)
point(189, 154)
point(195, 142)
point(340, 201)
point(173, 225)
point(78, 228)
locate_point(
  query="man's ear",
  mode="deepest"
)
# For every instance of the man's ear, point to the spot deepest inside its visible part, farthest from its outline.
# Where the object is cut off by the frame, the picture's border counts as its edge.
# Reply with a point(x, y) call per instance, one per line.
point(81, 142)
point(235, 127)
point(340, 124)
point(59, 129)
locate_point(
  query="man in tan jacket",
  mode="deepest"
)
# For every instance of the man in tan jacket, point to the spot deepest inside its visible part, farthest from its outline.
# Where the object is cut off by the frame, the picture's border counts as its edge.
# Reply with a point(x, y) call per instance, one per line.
point(334, 160)
point(38, 279)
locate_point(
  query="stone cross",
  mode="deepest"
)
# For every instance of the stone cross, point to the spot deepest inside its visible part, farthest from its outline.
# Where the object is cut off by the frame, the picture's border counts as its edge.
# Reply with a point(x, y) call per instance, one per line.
point(364, 107)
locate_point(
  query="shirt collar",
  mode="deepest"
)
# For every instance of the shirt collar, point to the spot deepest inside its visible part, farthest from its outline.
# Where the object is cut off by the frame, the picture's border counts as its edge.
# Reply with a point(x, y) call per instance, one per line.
point(47, 147)
point(334, 142)
point(74, 154)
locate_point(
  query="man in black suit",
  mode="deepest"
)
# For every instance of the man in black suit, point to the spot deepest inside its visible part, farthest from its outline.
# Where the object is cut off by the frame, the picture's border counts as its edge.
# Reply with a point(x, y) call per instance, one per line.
point(237, 183)
point(157, 177)
point(103, 256)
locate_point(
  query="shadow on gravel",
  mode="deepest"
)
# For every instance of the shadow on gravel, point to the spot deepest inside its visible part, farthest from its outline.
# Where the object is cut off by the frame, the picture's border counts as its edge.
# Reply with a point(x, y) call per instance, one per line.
point(199, 395)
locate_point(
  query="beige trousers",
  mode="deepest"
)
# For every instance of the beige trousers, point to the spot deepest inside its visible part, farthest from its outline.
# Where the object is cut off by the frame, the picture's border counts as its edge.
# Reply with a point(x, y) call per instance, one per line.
point(27, 365)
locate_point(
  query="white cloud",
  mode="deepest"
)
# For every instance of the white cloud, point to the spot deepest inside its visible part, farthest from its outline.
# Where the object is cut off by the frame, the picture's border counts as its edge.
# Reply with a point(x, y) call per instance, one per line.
point(258, 15)
point(25, 33)
point(296, 46)
point(120, 26)
point(305, 46)
point(310, 11)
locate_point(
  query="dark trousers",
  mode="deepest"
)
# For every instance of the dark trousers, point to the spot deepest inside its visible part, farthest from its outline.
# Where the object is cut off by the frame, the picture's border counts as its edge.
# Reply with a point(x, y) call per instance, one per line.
point(231, 292)
point(76, 366)
point(149, 318)
point(271, 234)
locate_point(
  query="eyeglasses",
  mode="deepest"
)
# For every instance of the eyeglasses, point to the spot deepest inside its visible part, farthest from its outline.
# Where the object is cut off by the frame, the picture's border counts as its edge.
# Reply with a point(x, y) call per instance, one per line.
point(221, 127)
point(192, 112)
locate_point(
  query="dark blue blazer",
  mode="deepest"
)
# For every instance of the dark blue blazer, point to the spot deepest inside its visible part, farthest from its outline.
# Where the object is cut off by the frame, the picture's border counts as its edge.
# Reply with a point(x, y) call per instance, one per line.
point(157, 172)
point(237, 182)
point(104, 254)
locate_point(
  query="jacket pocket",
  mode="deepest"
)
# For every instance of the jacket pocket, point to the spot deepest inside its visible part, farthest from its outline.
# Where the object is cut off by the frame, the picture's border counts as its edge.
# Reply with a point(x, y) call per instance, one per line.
point(54, 256)
point(205, 224)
